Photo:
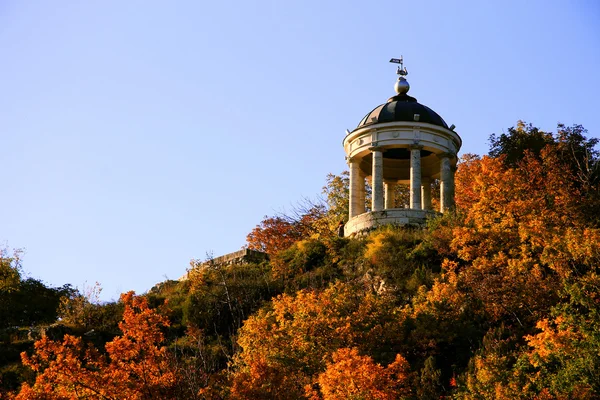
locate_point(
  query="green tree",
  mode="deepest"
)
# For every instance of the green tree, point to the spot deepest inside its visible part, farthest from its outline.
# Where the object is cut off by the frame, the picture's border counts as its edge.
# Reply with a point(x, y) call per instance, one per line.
point(429, 386)
point(25, 302)
point(10, 269)
point(336, 196)
point(514, 143)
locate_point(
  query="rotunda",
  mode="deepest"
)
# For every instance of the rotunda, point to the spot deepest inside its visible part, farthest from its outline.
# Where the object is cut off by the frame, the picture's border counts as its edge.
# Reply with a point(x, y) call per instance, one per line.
point(401, 141)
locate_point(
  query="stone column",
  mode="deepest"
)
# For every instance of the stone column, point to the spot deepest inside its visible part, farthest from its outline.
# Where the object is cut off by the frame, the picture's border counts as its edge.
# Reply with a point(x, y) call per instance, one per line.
point(377, 180)
point(447, 183)
point(415, 177)
point(426, 194)
point(363, 192)
point(390, 194)
point(356, 192)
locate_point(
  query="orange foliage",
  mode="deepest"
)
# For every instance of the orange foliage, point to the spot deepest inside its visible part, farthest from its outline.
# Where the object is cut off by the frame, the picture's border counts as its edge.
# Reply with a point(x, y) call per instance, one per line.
point(505, 207)
point(352, 376)
point(285, 348)
point(518, 234)
point(135, 366)
point(555, 337)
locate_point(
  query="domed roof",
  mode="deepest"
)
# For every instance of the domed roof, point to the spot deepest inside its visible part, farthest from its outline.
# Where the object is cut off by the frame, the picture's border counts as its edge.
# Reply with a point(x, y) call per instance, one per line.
point(402, 107)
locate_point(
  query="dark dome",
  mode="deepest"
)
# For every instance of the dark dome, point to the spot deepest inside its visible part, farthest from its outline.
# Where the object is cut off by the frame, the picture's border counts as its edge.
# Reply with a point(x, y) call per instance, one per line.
point(402, 108)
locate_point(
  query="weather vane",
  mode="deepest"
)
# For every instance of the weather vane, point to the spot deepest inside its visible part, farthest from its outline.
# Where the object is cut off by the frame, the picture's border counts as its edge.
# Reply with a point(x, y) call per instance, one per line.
point(401, 68)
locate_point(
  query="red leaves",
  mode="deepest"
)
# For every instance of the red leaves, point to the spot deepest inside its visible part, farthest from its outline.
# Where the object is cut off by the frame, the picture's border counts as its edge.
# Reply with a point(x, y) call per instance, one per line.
point(278, 233)
point(275, 234)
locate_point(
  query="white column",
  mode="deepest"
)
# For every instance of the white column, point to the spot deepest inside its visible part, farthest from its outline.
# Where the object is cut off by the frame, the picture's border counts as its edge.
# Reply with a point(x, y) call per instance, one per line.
point(415, 177)
point(377, 180)
point(426, 194)
point(447, 183)
point(363, 192)
point(390, 194)
point(355, 190)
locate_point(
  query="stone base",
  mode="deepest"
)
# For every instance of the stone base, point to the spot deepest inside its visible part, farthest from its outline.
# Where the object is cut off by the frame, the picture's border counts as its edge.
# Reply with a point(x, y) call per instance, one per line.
point(393, 216)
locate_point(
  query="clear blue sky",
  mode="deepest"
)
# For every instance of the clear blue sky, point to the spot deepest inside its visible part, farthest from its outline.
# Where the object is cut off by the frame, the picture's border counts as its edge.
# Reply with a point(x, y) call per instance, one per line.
point(137, 135)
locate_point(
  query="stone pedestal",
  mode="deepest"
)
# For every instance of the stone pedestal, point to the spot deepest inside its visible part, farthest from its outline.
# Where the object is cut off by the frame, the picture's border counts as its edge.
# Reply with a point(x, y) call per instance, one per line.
point(397, 216)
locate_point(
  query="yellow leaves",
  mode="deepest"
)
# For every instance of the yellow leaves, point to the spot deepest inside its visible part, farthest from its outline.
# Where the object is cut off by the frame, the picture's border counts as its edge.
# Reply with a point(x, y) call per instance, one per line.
point(520, 233)
point(555, 337)
point(375, 245)
point(443, 295)
point(584, 246)
point(524, 203)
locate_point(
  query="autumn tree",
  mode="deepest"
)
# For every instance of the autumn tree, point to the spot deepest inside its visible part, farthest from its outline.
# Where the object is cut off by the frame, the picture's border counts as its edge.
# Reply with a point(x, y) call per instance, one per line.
point(559, 361)
point(134, 366)
point(352, 376)
point(273, 234)
point(513, 220)
point(312, 219)
point(577, 155)
point(491, 366)
point(286, 346)
point(582, 158)
point(279, 232)
point(523, 235)
point(562, 356)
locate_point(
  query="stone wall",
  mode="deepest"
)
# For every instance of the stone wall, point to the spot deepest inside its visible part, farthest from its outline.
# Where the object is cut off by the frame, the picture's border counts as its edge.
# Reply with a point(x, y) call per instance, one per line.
point(244, 256)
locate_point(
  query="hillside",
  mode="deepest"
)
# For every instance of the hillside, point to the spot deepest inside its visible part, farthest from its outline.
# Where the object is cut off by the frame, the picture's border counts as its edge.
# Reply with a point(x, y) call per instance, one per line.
point(499, 299)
